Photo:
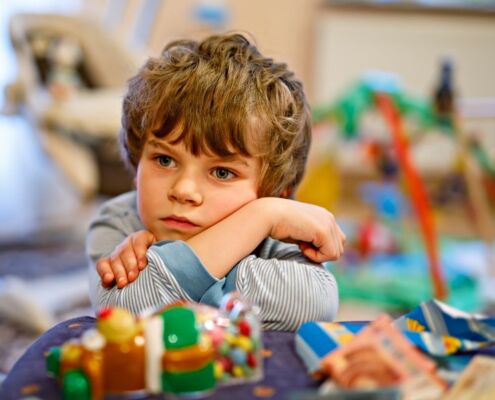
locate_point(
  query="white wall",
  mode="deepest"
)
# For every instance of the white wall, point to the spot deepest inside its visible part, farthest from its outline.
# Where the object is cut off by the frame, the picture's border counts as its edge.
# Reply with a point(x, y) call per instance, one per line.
point(349, 42)
point(283, 29)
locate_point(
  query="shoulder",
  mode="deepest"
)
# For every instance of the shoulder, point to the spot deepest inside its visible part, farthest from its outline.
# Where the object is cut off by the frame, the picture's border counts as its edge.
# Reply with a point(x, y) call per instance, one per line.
point(120, 210)
point(120, 206)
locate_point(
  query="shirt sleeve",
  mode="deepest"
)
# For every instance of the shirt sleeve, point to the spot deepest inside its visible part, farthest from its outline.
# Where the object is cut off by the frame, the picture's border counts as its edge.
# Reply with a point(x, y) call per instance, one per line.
point(288, 291)
point(288, 288)
point(174, 273)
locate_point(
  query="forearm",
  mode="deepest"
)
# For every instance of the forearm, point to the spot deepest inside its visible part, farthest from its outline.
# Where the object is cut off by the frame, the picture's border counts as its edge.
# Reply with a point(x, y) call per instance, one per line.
point(156, 286)
point(224, 244)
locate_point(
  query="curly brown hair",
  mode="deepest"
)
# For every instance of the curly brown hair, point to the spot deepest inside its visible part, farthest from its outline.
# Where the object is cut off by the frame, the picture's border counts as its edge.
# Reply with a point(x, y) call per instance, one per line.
point(225, 97)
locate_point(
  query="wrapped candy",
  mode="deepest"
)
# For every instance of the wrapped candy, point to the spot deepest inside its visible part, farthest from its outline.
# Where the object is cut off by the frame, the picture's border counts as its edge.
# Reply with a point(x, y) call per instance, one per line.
point(184, 349)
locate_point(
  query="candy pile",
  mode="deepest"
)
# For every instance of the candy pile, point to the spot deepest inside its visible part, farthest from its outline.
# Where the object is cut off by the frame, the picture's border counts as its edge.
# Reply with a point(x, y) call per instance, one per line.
point(237, 343)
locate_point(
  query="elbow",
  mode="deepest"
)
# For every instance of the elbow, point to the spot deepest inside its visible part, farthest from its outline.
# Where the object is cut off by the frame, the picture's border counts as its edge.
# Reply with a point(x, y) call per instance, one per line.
point(322, 302)
point(330, 305)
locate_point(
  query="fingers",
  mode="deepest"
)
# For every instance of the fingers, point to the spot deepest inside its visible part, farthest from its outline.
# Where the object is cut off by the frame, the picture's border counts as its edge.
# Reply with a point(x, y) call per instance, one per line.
point(320, 254)
point(120, 268)
point(342, 238)
point(104, 269)
point(127, 260)
point(140, 243)
point(124, 265)
point(330, 240)
point(310, 251)
point(119, 272)
point(338, 241)
point(328, 244)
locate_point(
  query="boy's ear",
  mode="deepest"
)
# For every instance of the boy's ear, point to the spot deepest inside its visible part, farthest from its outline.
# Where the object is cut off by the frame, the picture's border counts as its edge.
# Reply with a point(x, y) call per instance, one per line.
point(286, 193)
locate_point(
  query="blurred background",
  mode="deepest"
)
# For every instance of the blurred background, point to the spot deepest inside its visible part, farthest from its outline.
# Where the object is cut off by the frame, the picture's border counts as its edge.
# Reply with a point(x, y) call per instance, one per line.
point(403, 101)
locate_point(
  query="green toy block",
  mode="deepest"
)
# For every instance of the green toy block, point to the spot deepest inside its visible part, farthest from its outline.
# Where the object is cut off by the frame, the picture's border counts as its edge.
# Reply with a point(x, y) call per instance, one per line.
point(190, 382)
point(76, 386)
point(53, 361)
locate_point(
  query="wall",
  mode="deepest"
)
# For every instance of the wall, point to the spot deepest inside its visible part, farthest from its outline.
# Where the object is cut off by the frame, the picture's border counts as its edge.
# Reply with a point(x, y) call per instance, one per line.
point(330, 46)
point(349, 42)
point(282, 29)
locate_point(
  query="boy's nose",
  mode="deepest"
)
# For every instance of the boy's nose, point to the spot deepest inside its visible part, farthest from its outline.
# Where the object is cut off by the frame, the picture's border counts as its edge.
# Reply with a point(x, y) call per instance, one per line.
point(185, 190)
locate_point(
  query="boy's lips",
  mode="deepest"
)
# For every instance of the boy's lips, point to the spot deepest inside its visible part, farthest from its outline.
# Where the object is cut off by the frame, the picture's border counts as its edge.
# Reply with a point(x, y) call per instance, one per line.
point(178, 223)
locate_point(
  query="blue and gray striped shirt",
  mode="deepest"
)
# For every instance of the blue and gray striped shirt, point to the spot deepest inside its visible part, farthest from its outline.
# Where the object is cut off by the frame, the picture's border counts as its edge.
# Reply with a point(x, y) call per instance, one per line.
point(287, 287)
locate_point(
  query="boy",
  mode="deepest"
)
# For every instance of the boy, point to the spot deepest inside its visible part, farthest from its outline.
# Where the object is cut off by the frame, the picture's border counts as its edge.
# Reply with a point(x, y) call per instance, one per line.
point(218, 138)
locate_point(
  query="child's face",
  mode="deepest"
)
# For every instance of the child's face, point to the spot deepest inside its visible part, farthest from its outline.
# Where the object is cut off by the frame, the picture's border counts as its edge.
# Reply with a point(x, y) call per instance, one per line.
point(180, 195)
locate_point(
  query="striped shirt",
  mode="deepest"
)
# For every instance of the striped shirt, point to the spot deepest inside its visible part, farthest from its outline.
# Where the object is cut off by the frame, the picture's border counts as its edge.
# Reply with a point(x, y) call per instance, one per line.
point(287, 288)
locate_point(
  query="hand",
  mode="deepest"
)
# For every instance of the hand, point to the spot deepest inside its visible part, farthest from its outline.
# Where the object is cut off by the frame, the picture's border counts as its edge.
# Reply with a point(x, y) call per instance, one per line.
point(313, 228)
point(126, 261)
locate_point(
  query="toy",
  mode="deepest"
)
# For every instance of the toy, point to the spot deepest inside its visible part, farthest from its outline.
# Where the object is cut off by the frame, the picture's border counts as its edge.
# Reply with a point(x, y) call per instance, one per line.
point(392, 104)
point(375, 233)
point(463, 174)
point(417, 191)
point(184, 349)
point(476, 167)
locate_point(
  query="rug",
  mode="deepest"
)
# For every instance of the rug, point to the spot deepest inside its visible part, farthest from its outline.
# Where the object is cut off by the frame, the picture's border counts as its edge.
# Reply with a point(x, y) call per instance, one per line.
point(34, 263)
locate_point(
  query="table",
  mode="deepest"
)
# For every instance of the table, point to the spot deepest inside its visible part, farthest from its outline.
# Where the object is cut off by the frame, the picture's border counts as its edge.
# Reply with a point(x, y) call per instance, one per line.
point(283, 370)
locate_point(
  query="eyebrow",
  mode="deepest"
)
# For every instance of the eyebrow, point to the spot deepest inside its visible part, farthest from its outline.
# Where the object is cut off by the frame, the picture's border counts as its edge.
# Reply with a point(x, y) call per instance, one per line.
point(234, 158)
point(159, 144)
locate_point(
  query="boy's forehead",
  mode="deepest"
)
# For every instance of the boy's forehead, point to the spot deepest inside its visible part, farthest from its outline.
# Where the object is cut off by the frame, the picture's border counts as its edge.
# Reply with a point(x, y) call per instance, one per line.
point(207, 142)
point(166, 144)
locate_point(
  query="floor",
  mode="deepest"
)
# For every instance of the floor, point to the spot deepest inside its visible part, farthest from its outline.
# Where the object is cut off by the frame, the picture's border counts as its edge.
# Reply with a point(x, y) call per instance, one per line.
point(39, 234)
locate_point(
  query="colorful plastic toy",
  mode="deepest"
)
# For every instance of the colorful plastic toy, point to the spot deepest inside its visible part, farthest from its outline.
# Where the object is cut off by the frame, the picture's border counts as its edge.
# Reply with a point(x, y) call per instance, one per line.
point(476, 171)
point(393, 105)
point(184, 349)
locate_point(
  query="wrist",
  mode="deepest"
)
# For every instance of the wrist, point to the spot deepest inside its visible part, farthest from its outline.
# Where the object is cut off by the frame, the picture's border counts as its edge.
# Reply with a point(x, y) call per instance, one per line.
point(268, 210)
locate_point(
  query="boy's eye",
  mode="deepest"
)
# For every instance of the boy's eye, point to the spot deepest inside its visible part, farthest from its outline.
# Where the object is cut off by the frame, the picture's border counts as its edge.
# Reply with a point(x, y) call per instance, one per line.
point(165, 161)
point(223, 173)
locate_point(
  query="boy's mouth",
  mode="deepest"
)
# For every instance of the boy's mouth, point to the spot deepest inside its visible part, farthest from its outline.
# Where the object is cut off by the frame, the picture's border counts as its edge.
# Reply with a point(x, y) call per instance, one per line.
point(180, 223)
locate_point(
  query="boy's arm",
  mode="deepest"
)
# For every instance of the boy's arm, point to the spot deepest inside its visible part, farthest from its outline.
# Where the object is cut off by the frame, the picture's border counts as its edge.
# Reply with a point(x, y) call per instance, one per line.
point(169, 278)
point(313, 228)
point(174, 273)
point(288, 289)
point(125, 262)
